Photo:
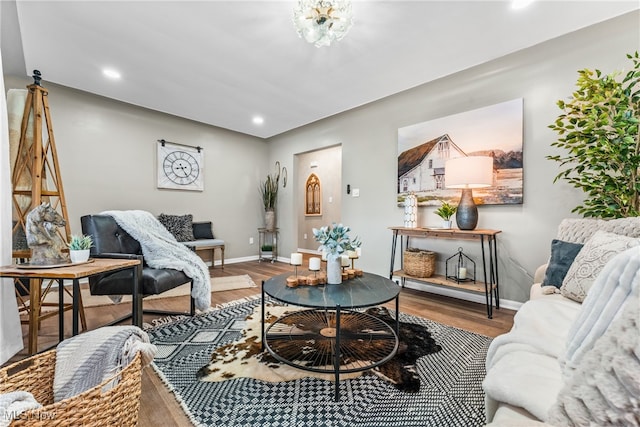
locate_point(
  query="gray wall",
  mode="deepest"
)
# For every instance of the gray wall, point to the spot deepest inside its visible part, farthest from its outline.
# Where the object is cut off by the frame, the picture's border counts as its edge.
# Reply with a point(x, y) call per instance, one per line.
point(107, 155)
point(541, 75)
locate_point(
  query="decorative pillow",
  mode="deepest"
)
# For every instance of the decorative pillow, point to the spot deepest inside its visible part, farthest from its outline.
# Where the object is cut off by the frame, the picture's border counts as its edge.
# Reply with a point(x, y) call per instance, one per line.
point(203, 230)
point(604, 390)
point(579, 230)
point(598, 250)
point(562, 256)
point(178, 225)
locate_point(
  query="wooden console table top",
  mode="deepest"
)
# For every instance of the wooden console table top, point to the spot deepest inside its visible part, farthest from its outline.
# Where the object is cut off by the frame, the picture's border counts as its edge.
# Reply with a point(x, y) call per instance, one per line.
point(455, 233)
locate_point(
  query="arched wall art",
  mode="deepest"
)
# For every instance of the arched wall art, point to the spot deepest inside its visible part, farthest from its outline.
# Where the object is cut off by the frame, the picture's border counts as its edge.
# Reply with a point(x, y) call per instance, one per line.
point(313, 196)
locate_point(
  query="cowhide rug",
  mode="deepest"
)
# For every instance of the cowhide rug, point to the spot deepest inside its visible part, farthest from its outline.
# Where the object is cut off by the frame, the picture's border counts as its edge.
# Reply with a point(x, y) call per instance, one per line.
point(244, 358)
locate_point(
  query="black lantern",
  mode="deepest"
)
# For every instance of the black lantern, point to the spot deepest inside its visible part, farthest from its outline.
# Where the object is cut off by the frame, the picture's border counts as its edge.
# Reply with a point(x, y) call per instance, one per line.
point(460, 268)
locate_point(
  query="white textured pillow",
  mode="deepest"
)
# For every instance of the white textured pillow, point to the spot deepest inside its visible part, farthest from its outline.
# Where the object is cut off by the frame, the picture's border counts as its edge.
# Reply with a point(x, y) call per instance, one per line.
point(589, 262)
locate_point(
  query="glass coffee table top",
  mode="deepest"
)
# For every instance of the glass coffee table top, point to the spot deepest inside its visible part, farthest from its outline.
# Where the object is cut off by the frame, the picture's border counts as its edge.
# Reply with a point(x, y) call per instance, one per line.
point(365, 291)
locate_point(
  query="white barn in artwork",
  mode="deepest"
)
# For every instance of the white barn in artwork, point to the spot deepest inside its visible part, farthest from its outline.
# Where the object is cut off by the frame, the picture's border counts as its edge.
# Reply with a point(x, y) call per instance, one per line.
point(421, 168)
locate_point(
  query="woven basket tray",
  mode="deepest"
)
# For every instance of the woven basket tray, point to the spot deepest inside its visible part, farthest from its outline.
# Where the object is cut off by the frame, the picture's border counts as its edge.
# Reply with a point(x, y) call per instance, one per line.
point(118, 406)
point(419, 263)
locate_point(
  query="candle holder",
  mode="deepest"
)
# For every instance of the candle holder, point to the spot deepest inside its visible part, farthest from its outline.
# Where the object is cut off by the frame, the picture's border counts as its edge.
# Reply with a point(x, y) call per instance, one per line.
point(353, 256)
point(344, 262)
point(295, 260)
point(460, 268)
point(314, 265)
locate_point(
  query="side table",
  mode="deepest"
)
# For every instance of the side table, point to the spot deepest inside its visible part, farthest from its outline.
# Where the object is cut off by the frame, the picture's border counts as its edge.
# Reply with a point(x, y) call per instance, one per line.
point(73, 272)
point(268, 237)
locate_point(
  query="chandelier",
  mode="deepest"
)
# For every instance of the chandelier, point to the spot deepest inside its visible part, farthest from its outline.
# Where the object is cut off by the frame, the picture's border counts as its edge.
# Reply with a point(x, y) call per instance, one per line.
point(322, 21)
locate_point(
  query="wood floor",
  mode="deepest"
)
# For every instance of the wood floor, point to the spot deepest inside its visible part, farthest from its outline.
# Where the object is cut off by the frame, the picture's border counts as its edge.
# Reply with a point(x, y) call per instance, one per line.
point(159, 407)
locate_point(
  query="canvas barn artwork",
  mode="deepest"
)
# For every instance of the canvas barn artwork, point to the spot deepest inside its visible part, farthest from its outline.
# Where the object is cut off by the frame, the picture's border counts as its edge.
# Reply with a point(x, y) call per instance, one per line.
point(424, 148)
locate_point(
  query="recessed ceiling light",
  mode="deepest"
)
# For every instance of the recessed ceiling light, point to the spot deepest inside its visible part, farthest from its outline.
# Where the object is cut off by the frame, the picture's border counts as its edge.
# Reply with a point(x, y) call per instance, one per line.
point(520, 4)
point(257, 120)
point(111, 73)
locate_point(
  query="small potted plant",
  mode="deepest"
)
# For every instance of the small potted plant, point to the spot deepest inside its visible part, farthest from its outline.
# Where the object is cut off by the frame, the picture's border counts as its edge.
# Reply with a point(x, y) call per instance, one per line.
point(446, 211)
point(79, 246)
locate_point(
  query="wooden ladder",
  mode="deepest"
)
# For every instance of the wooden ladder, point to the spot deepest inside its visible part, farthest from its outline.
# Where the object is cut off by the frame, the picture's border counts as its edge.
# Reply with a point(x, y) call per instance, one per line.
point(35, 179)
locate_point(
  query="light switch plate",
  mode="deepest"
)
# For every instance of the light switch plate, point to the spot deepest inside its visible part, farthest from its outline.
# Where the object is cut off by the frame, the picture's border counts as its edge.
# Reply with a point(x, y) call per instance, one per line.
point(355, 192)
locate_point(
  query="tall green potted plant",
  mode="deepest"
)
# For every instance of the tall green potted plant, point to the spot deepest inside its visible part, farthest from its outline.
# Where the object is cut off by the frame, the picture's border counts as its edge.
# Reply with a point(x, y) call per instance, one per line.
point(269, 193)
point(598, 128)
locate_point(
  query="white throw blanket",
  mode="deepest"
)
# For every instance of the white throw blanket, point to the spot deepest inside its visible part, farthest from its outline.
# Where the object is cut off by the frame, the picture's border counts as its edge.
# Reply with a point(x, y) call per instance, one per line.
point(13, 404)
point(86, 360)
point(161, 250)
point(613, 287)
point(604, 389)
point(522, 365)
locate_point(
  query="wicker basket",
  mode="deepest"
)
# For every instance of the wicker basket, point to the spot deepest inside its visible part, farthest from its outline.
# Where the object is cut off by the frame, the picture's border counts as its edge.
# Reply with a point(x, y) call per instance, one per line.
point(419, 263)
point(118, 406)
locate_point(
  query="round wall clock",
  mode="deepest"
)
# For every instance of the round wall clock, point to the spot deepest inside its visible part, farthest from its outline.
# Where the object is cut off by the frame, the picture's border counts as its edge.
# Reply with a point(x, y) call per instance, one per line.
point(180, 167)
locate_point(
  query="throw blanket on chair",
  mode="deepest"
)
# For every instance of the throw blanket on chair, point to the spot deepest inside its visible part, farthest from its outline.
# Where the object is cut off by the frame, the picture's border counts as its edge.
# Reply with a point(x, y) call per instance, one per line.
point(161, 250)
point(86, 360)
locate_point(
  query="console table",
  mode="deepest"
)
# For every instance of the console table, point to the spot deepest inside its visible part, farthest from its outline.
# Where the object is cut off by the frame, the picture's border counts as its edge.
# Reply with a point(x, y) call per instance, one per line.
point(490, 286)
point(73, 272)
point(327, 338)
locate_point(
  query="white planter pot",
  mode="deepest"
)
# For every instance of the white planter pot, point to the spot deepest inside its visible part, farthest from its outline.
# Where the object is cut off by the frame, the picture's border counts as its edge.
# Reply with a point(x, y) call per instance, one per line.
point(79, 256)
point(446, 224)
point(334, 271)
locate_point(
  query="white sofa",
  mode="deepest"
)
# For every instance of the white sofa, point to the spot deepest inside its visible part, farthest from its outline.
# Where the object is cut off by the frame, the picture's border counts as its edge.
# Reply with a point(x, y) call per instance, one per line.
point(531, 371)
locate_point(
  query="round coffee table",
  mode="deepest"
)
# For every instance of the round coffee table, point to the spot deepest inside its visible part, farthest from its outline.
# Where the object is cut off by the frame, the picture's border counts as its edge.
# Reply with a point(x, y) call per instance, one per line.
point(332, 337)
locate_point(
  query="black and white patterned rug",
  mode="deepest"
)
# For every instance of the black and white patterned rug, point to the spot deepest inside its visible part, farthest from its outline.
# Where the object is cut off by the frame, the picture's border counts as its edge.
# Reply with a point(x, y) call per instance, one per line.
point(450, 391)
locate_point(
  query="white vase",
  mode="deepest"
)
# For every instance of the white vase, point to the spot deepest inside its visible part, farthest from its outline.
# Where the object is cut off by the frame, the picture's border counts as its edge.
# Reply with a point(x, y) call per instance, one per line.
point(446, 224)
point(411, 211)
point(79, 256)
point(334, 270)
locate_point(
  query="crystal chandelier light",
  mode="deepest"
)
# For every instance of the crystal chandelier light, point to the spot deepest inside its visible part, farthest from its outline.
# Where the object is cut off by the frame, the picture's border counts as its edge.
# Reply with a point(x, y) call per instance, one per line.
point(322, 21)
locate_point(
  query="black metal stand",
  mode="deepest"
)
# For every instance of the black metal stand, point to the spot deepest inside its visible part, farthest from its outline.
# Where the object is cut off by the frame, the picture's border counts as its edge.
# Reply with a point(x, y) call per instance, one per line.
point(330, 340)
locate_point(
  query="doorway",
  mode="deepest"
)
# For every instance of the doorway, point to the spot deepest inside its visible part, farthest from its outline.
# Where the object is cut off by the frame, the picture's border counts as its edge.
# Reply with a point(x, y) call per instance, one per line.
point(322, 170)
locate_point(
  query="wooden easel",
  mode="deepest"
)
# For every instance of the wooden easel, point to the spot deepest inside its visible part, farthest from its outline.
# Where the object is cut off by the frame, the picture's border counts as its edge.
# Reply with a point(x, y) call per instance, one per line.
point(36, 179)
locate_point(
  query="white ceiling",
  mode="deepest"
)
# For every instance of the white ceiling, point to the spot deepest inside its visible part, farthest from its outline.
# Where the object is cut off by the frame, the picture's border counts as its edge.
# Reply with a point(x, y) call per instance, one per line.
point(222, 62)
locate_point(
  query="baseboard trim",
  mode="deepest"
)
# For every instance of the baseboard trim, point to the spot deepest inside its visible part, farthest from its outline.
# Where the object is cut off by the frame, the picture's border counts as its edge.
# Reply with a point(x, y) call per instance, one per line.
point(309, 251)
point(455, 293)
